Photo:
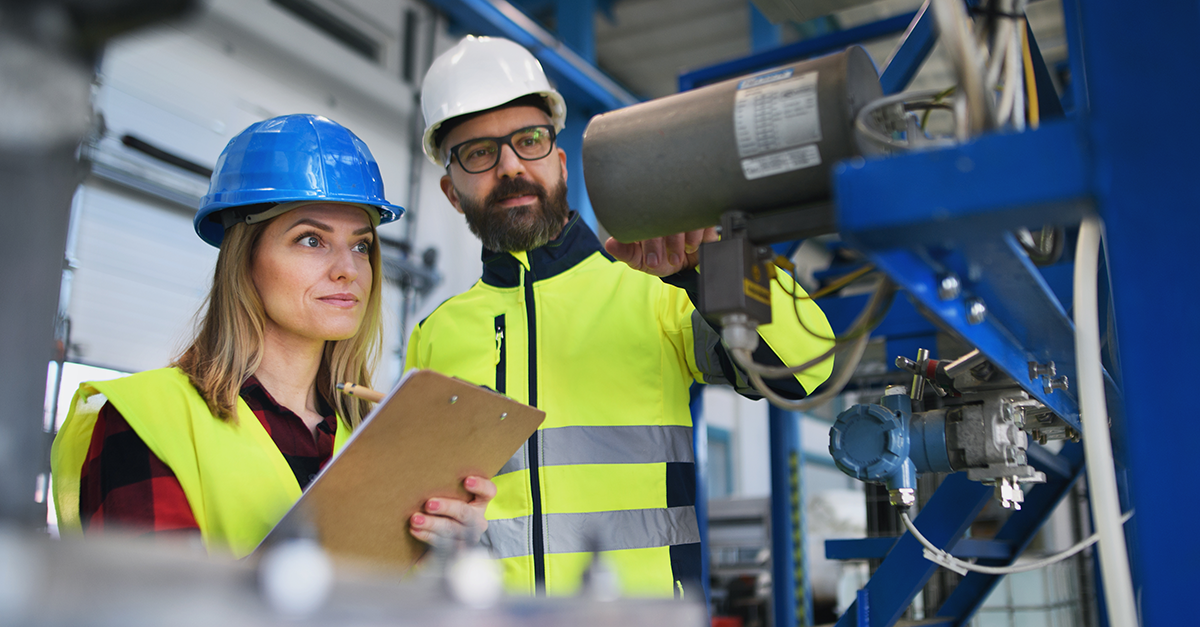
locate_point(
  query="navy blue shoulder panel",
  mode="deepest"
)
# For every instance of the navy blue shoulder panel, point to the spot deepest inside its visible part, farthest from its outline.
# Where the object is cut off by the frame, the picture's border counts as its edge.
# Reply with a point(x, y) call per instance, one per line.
point(576, 243)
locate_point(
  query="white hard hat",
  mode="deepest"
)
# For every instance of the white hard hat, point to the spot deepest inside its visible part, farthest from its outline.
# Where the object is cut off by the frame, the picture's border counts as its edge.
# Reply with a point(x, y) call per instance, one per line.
point(477, 74)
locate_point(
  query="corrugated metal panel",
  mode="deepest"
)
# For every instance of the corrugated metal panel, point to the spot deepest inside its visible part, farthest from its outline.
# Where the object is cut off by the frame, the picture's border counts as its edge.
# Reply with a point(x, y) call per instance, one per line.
point(141, 275)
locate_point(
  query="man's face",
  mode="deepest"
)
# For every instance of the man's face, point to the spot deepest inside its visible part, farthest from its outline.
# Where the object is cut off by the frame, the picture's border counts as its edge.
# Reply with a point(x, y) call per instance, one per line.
point(518, 204)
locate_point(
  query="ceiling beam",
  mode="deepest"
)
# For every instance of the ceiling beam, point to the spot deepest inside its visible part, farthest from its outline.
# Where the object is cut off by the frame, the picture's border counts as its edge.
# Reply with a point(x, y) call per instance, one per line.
point(579, 81)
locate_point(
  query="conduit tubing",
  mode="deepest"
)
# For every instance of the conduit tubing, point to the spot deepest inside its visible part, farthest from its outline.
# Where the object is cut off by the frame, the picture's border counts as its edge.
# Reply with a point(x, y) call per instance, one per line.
point(1097, 443)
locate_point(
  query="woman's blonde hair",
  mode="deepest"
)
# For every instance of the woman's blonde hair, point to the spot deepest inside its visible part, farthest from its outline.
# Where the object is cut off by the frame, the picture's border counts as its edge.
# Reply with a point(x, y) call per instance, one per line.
point(228, 346)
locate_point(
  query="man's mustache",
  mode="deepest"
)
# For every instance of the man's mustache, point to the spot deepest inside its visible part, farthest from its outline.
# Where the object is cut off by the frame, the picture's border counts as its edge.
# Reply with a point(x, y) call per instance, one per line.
point(508, 188)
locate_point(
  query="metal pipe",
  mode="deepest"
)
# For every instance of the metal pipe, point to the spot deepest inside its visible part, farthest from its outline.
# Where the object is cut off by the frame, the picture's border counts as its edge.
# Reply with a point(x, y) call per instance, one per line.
point(758, 144)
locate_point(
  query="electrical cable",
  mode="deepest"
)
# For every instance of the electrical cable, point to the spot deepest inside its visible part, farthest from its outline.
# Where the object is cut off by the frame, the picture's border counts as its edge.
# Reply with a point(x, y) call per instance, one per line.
point(1030, 79)
point(867, 319)
point(881, 300)
point(832, 286)
point(837, 384)
point(937, 100)
point(956, 36)
point(1097, 442)
point(828, 289)
point(943, 558)
point(864, 130)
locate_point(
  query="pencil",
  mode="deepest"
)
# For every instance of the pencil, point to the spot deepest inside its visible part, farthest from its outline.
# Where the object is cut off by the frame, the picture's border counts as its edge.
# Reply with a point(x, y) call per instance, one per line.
point(358, 391)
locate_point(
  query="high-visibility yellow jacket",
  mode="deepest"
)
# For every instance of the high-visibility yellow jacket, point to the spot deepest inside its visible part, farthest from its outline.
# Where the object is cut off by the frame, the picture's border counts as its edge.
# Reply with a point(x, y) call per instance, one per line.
point(609, 353)
point(235, 479)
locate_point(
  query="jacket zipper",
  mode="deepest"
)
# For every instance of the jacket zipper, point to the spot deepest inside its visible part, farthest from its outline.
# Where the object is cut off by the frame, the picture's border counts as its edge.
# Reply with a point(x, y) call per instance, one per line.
point(539, 548)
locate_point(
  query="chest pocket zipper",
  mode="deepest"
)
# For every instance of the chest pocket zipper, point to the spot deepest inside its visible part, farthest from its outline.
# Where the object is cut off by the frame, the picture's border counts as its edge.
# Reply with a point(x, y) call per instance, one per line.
point(500, 356)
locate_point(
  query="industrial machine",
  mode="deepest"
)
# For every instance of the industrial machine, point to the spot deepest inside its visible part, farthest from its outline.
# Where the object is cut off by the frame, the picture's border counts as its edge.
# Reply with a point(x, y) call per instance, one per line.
point(791, 146)
point(772, 147)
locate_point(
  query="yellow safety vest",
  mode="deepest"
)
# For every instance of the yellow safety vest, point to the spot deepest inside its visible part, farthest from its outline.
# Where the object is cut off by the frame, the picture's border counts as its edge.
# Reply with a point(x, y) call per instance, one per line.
point(236, 481)
point(609, 353)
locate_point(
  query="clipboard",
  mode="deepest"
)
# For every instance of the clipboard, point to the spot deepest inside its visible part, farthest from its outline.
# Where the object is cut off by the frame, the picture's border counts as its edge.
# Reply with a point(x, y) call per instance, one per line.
point(421, 441)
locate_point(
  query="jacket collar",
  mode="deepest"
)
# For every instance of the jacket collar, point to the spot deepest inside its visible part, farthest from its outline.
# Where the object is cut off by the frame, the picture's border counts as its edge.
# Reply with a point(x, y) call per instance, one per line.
point(576, 243)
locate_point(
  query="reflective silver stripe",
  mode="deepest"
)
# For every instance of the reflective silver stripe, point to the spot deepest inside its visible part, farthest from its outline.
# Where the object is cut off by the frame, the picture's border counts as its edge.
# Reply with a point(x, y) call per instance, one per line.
point(597, 531)
point(509, 537)
point(623, 444)
point(519, 461)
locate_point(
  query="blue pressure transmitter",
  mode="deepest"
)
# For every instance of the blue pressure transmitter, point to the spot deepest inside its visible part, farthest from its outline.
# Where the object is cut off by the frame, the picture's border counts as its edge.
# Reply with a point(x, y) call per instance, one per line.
point(886, 443)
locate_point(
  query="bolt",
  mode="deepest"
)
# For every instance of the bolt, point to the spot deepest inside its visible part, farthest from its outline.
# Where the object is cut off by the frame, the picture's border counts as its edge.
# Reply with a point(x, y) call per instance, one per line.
point(976, 311)
point(1055, 383)
point(949, 287)
point(1037, 370)
point(903, 497)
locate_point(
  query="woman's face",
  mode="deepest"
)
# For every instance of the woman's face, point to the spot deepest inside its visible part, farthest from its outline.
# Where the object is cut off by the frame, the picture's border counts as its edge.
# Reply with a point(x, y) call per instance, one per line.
point(312, 269)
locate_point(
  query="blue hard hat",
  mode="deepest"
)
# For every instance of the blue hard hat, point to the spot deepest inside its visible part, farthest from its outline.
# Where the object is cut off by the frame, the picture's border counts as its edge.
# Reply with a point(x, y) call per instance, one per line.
point(290, 158)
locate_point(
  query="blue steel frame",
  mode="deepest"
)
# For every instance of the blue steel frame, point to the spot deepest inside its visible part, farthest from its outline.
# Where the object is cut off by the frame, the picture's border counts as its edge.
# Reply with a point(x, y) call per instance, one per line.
point(791, 590)
point(970, 196)
point(1142, 185)
point(800, 50)
point(919, 216)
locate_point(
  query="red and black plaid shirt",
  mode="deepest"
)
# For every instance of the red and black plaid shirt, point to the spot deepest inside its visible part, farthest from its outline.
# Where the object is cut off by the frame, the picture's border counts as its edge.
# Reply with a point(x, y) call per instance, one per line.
point(124, 484)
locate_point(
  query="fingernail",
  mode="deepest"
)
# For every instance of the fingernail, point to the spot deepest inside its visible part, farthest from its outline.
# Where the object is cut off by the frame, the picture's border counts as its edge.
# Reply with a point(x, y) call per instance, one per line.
point(674, 259)
point(418, 520)
point(433, 506)
point(470, 482)
point(652, 260)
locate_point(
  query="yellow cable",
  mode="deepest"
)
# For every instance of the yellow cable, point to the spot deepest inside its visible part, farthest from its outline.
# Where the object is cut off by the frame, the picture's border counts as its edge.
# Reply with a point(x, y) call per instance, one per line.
point(1030, 80)
point(837, 284)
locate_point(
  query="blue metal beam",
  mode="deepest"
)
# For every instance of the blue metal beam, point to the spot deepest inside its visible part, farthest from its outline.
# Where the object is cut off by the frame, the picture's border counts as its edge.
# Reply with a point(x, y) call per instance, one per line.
point(992, 184)
point(1018, 531)
point(943, 520)
point(794, 52)
point(918, 233)
point(878, 548)
point(763, 34)
point(576, 27)
point(579, 81)
point(1145, 191)
point(791, 596)
point(902, 319)
point(907, 58)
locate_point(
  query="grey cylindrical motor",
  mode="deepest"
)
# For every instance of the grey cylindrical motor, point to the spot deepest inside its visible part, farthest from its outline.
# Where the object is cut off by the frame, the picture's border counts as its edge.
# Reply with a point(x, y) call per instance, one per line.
point(758, 143)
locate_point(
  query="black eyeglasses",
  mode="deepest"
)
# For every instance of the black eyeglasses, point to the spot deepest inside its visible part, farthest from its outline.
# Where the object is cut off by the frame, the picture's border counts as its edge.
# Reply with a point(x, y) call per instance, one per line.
point(483, 153)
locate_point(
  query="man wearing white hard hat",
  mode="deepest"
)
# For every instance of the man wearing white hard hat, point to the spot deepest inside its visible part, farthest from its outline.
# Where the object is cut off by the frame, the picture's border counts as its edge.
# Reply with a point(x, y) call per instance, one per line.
point(607, 351)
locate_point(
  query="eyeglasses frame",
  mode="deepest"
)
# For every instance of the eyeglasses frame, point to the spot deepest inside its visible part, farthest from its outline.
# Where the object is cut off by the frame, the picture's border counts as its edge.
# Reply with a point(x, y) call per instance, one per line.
point(501, 142)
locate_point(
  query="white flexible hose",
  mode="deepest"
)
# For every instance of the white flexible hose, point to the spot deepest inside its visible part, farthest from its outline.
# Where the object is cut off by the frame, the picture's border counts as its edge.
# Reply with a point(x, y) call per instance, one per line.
point(955, 34)
point(942, 558)
point(1017, 56)
point(1102, 481)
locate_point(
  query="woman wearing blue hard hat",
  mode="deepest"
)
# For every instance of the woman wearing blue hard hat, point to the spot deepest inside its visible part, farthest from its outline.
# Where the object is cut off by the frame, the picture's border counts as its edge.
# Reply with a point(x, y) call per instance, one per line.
point(224, 440)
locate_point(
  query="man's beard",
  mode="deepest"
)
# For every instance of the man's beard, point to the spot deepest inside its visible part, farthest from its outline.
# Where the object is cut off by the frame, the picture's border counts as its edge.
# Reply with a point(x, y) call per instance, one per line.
point(524, 227)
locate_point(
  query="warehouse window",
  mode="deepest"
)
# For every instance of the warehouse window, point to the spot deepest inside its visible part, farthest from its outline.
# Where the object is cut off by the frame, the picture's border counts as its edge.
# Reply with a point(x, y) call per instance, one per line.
point(720, 463)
